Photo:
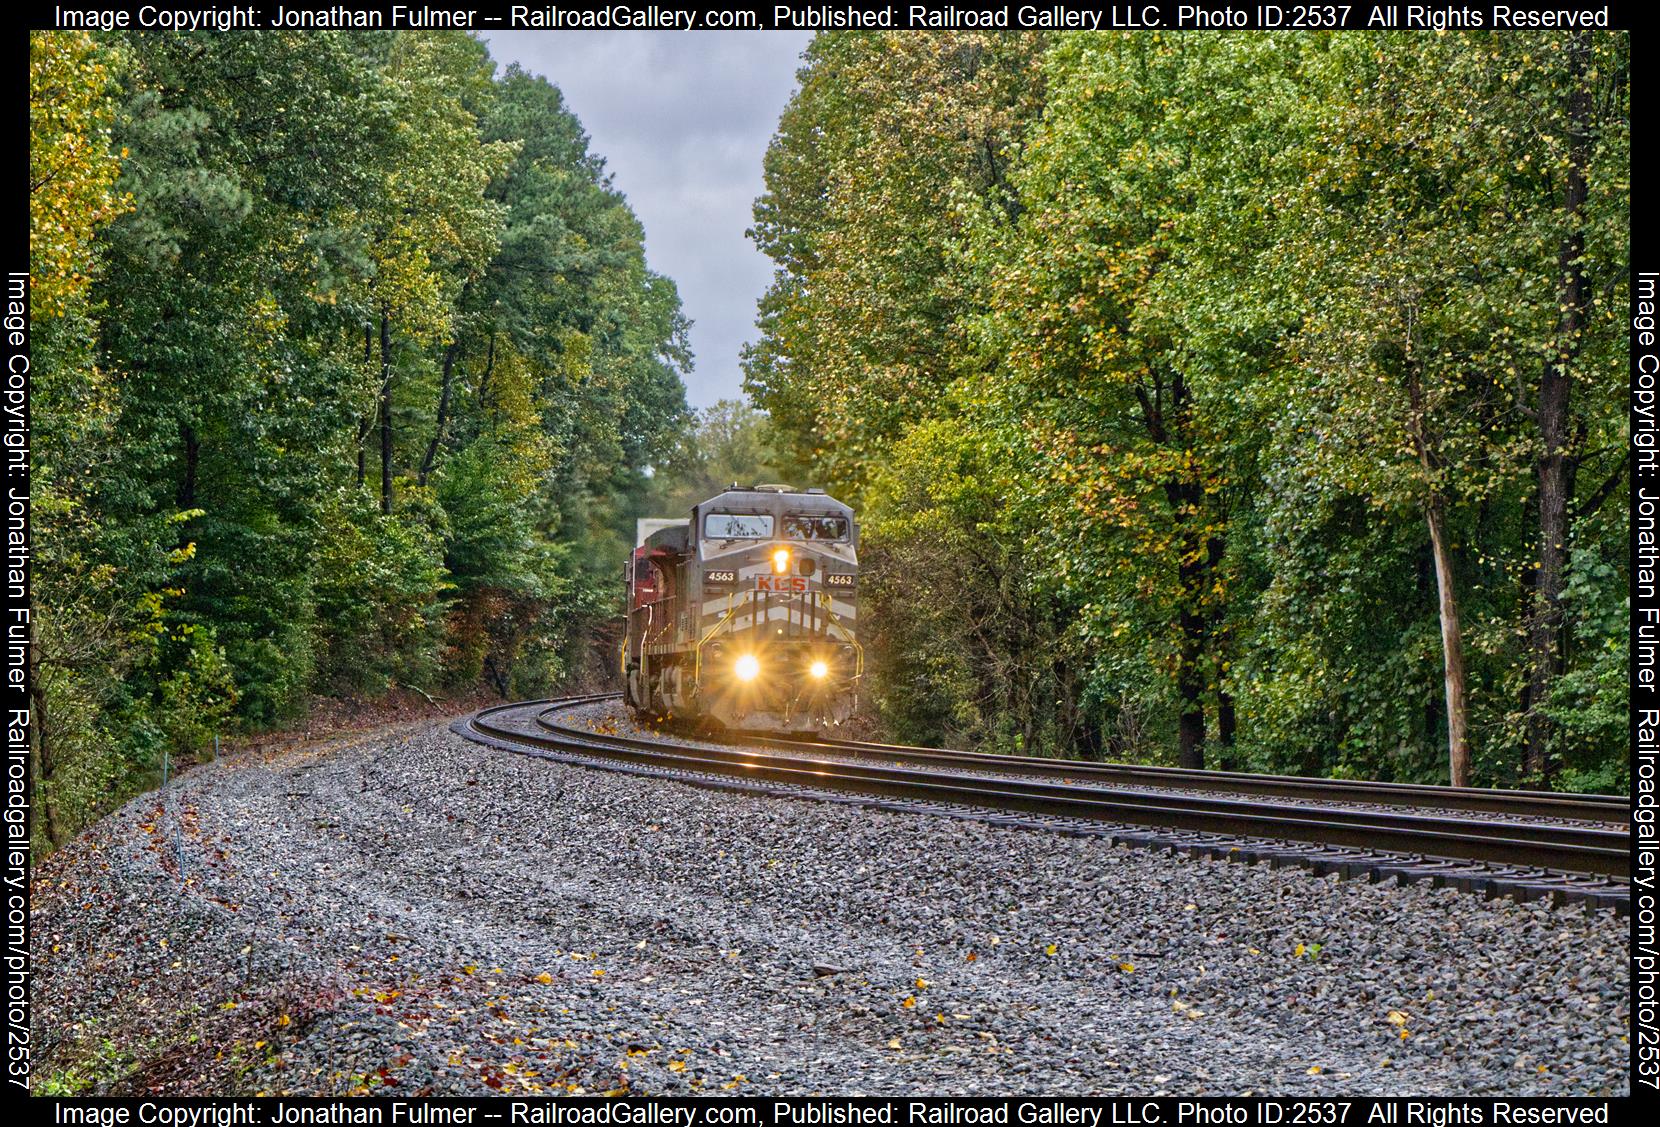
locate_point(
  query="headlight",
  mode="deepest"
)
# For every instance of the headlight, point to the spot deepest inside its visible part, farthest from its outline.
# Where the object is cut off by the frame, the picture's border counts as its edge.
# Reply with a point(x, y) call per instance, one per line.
point(819, 670)
point(781, 561)
point(747, 668)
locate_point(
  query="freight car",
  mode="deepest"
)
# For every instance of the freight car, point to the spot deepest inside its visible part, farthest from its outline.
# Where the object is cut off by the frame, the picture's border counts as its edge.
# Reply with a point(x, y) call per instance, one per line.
point(744, 616)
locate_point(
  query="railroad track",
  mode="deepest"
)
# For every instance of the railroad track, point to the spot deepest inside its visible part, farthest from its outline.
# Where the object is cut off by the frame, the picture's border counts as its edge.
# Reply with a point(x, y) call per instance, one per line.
point(1448, 845)
point(1514, 803)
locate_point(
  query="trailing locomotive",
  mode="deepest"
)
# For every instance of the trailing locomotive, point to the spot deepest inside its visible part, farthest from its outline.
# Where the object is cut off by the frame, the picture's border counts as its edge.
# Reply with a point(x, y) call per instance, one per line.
point(744, 616)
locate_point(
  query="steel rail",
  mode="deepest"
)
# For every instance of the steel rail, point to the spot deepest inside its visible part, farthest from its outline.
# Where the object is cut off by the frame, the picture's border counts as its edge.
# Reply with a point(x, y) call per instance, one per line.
point(1523, 803)
point(1538, 845)
point(1549, 804)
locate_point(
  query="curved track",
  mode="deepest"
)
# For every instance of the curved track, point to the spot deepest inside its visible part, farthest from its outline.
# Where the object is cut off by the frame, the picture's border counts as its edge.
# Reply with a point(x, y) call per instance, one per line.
point(1105, 795)
point(1514, 803)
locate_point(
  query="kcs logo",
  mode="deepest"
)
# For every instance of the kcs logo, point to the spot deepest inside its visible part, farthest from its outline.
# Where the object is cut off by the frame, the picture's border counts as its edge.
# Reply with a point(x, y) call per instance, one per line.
point(795, 583)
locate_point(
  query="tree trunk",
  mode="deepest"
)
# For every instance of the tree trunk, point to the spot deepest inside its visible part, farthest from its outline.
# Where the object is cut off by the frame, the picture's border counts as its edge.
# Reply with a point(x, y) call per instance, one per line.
point(1190, 680)
point(1452, 636)
point(1216, 641)
point(1452, 647)
point(439, 423)
point(385, 413)
point(1226, 723)
point(1554, 467)
point(363, 421)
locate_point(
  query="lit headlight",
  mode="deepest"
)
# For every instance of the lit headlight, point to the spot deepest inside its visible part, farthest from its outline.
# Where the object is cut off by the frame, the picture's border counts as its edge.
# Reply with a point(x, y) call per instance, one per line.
point(819, 670)
point(781, 561)
point(747, 668)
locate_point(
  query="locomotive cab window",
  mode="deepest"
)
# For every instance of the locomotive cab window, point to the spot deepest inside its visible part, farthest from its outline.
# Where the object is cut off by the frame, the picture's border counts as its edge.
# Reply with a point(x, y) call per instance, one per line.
point(799, 526)
point(737, 526)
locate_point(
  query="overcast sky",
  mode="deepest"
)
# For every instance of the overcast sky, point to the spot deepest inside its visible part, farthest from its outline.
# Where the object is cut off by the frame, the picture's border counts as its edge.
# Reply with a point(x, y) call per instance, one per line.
point(682, 120)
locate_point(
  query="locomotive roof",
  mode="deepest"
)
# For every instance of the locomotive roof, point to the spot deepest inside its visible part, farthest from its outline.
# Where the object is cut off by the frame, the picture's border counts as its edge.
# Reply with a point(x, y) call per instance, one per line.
point(776, 499)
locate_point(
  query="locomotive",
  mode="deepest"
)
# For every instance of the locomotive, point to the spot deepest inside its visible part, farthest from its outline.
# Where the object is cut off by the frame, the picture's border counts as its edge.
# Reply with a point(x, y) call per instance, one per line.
point(744, 616)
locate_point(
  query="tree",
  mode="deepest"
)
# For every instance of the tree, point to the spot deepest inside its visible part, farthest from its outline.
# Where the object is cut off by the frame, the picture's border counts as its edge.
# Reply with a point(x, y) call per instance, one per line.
point(858, 325)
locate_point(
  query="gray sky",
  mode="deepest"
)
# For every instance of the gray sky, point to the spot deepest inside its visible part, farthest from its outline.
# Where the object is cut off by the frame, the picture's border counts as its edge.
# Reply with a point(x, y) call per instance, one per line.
point(682, 120)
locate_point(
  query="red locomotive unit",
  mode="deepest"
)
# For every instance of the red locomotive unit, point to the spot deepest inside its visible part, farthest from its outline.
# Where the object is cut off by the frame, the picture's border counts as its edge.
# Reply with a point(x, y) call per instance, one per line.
point(744, 616)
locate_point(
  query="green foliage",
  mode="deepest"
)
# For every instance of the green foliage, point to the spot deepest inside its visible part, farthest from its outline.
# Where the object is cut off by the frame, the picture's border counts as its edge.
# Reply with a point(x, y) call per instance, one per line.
point(281, 278)
point(726, 443)
point(1160, 357)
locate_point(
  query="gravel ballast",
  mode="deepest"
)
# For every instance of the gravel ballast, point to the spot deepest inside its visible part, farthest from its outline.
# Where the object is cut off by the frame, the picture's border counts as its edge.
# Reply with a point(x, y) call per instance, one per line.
point(411, 912)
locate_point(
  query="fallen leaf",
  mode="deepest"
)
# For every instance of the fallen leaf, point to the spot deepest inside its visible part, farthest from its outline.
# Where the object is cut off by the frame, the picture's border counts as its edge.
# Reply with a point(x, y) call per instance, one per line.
point(545, 978)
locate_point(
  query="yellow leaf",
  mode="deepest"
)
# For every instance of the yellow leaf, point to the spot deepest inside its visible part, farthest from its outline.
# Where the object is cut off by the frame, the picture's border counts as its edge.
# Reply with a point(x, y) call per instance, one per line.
point(1396, 1017)
point(923, 984)
point(544, 978)
point(1299, 950)
point(599, 974)
point(894, 1044)
point(909, 1002)
point(284, 1020)
point(677, 1066)
point(1051, 949)
point(1127, 968)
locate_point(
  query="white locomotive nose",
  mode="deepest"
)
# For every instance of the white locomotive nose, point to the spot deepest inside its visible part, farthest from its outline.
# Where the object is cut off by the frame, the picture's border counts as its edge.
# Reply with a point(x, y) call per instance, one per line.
point(745, 614)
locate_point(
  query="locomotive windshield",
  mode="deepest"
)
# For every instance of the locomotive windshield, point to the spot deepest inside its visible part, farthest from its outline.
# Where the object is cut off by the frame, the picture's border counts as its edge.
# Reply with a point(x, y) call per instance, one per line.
point(799, 526)
point(737, 526)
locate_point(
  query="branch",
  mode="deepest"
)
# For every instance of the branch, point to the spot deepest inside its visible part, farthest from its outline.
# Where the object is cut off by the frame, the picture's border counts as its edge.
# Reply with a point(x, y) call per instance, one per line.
point(1603, 491)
